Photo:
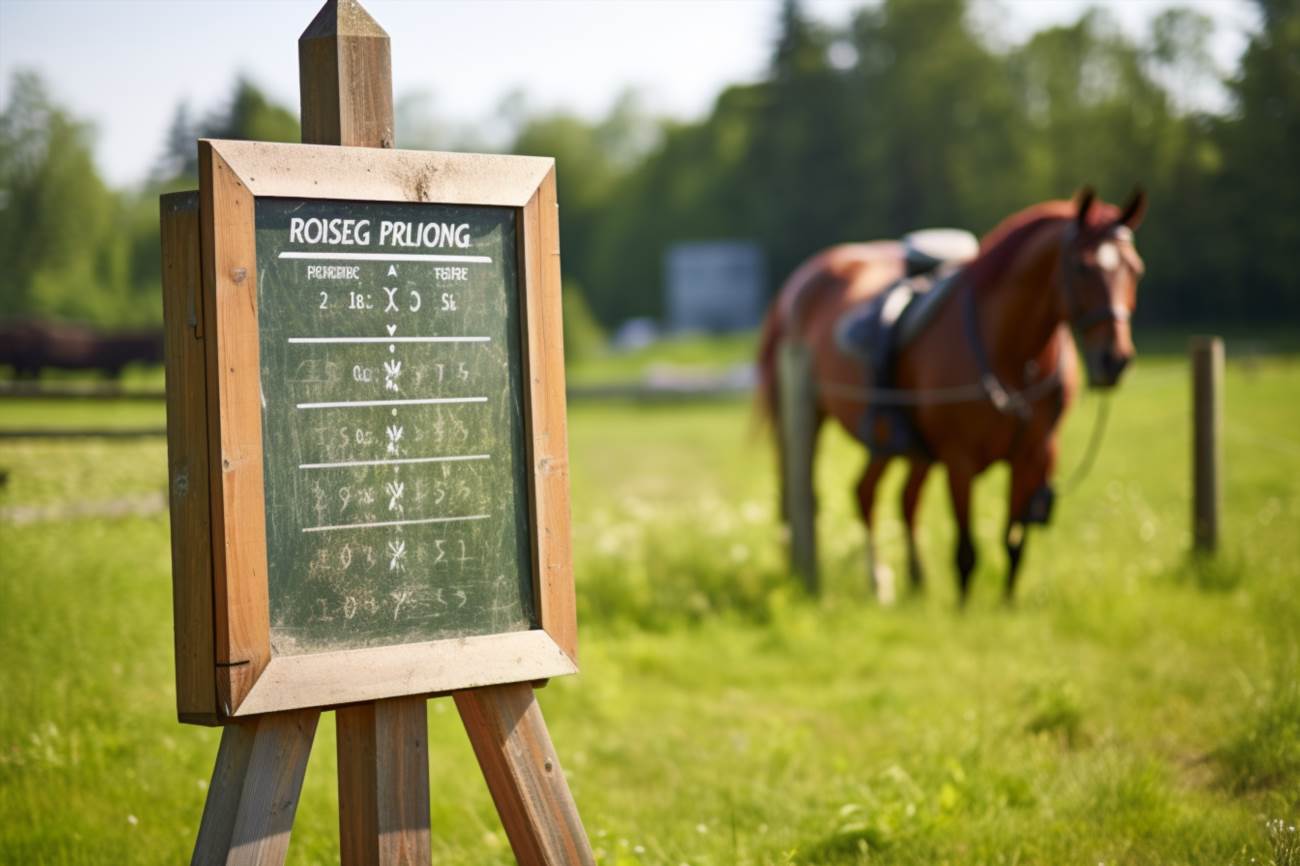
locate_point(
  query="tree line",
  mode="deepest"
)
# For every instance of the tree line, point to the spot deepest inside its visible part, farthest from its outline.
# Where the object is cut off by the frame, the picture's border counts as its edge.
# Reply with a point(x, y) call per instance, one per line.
point(908, 116)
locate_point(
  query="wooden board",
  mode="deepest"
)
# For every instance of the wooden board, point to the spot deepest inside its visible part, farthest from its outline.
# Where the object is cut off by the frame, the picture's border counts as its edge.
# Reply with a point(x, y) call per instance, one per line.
point(395, 465)
point(385, 411)
point(187, 459)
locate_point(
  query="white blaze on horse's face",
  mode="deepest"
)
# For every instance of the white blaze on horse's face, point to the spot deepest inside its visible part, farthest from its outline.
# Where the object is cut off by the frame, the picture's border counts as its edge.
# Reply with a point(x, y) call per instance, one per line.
point(1104, 293)
point(1108, 256)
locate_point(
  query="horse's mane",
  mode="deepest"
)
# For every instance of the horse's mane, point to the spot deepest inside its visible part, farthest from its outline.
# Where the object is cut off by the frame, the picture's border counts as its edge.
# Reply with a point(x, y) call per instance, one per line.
point(999, 248)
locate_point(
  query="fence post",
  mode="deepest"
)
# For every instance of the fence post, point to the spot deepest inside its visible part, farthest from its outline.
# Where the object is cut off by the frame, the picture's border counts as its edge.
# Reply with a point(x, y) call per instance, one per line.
point(1207, 453)
point(797, 402)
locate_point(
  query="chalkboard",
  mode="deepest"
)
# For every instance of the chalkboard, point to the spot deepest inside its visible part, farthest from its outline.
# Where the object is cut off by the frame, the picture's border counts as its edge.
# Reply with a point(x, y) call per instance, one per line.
point(392, 423)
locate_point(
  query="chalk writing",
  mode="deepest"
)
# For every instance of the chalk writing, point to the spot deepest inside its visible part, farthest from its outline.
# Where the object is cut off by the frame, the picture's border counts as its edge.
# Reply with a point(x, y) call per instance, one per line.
point(392, 423)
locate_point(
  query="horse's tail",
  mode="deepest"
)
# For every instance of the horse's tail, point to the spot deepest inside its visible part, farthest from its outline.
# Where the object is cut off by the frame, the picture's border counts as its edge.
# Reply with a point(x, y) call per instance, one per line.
point(784, 317)
point(769, 338)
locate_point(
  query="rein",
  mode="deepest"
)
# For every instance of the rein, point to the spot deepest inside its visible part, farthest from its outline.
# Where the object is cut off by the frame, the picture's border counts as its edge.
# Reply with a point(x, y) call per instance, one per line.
point(1094, 446)
point(973, 392)
point(1005, 401)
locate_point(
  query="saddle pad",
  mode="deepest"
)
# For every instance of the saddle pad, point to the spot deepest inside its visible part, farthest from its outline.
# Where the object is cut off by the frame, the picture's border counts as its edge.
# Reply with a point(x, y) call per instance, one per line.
point(923, 308)
point(859, 331)
point(880, 326)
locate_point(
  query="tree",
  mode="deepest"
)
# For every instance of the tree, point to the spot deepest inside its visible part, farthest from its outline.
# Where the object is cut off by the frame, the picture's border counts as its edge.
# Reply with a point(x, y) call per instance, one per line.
point(591, 161)
point(1259, 189)
point(693, 185)
point(940, 130)
point(248, 116)
point(60, 251)
point(799, 168)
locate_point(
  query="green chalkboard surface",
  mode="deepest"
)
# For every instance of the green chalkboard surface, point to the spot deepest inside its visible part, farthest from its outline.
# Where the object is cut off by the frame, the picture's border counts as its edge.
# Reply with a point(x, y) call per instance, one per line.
point(392, 423)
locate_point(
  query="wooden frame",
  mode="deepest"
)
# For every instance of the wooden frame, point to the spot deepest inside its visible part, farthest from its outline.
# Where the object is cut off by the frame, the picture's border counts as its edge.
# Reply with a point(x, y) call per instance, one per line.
point(248, 680)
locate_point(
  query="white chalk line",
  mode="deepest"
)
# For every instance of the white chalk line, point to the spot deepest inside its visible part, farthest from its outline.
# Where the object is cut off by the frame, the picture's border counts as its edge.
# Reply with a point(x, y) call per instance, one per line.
point(390, 339)
point(396, 461)
point(385, 257)
point(424, 401)
point(418, 522)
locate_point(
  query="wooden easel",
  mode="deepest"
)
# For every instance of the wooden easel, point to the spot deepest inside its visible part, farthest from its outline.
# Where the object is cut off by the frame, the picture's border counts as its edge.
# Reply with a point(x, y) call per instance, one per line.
point(383, 761)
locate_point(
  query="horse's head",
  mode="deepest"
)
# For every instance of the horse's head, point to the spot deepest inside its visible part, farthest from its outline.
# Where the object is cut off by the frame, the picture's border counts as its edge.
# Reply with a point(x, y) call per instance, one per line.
point(1100, 269)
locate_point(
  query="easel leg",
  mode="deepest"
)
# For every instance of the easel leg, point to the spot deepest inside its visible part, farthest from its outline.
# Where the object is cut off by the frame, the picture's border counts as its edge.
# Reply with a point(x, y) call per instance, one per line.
point(514, 750)
point(383, 753)
point(254, 792)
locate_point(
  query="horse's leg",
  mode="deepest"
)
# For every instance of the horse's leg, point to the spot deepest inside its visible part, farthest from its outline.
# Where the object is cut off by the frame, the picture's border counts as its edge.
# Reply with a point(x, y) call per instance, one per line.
point(879, 580)
point(911, 499)
point(1028, 476)
point(959, 488)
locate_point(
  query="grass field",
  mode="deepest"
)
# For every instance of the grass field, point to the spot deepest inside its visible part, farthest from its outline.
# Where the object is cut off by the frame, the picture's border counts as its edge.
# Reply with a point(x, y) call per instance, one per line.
point(1137, 707)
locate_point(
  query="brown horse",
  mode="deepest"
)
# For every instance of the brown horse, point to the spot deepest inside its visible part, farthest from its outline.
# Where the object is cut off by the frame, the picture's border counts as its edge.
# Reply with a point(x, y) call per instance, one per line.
point(30, 346)
point(992, 374)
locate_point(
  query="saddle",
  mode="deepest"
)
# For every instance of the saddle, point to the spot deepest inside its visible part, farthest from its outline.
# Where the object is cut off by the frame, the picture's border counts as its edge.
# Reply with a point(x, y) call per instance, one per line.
point(878, 329)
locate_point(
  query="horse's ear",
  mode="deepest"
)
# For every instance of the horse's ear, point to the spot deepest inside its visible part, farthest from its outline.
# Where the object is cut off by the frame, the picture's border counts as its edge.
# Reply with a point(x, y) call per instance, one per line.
point(1085, 198)
point(1135, 210)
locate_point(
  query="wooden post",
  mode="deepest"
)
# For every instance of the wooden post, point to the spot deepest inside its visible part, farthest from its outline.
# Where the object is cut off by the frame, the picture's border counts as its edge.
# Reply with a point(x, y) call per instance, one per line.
point(345, 77)
point(514, 750)
point(1207, 454)
point(797, 401)
point(383, 757)
point(254, 791)
point(345, 80)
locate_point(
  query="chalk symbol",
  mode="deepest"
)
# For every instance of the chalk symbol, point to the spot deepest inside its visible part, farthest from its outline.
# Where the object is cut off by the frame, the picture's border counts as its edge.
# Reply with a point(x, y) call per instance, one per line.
point(392, 372)
point(396, 490)
point(394, 436)
point(396, 553)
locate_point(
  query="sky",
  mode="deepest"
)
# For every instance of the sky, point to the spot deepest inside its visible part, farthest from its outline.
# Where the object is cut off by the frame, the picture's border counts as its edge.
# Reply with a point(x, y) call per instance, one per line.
point(125, 65)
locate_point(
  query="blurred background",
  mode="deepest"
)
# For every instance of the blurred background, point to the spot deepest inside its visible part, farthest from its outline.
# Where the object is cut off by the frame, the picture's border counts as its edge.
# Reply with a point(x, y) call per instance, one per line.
point(1140, 705)
point(780, 127)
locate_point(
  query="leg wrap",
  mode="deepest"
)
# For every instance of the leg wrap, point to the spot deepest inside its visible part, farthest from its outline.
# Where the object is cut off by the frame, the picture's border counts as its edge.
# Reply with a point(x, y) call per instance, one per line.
point(1039, 509)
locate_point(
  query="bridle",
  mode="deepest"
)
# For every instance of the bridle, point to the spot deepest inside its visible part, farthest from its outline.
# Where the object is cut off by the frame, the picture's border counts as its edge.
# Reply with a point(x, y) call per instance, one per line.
point(1006, 400)
point(1016, 403)
point(1080, 319)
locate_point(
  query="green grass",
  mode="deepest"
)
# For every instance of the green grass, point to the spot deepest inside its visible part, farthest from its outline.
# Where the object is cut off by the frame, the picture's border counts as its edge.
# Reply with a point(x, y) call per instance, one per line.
point(1139, 706)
